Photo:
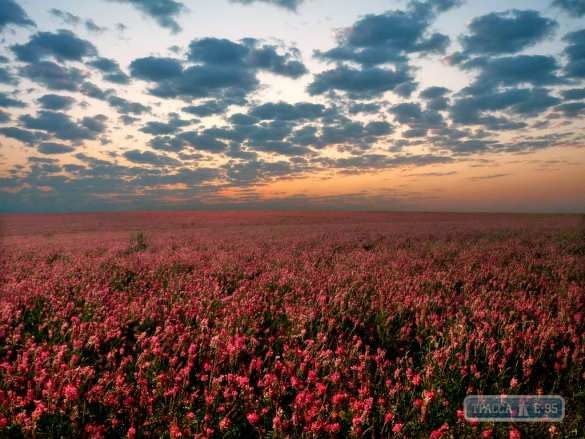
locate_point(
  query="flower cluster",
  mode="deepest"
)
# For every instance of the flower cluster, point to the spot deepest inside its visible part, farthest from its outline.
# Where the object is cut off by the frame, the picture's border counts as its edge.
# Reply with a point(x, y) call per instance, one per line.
point(250, 325)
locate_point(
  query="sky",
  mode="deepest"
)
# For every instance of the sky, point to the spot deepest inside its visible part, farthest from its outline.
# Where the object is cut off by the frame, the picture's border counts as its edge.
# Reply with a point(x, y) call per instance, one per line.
point(415, 105)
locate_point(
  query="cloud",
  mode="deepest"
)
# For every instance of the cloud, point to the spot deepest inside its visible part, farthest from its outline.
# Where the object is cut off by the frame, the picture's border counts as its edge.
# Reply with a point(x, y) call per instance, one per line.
point(359, 83)
point(415, 117)
point(207, 108)
point(54, 148)
point(249, 54)
point(216, 68)
point(8, 102)
point(388, 38)
point(165, 12)
point(572, 109)
point(56, 102)
point(506, 32)
point(469, 110)
point(25, 136)
point(575, 52)
point(286, 4)
point(488, 177)
point(110, 69)
point(4, 117)
point(537, 70)
point(149, 158)
point(91, 26)
point(65, 17)
point(6, 77)
point(286, 111)
point(159, 128)
point(12, 13)
point(156, 69)
point(60, 125)
point(571, 7)
point(54, 76)
point(63, 45)
point(574, 94)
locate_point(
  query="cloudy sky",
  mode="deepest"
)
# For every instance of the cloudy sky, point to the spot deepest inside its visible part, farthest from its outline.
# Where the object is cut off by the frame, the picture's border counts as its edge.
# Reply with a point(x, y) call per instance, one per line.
point(304, 104)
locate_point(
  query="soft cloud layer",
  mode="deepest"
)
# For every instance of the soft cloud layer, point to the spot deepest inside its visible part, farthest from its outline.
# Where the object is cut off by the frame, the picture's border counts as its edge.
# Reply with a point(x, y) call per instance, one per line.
point(216, 120)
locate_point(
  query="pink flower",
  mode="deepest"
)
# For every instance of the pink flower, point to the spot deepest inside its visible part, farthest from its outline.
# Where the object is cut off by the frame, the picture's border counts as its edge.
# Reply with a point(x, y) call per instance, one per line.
point(131, 433)
point(70, 392)
point(253, 418)
point(397, 428)
point(514, 434)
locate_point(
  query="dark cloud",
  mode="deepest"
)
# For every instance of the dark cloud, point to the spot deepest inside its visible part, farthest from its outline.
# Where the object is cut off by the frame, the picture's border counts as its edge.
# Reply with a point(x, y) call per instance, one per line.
point(388, 38)
point(60, 125)
point(572, 7)
point(360, 83)
point(149, 158)
point(125, 106)
point(286, 111)
point(54, 148)
point(574, 94)
point(4, 116)
point(63, 45)
point(469, 110)
point(223, 70)
point(165, 12)
point(435, 98)
point(202, 142)
point(287, 4)
point(415, 117)
point(56, 102)
point(54, 76)
point(156, 69)
point(8, 102)
point(160, 128)
point(575, 52)
point(537, 70)
point(110, 69)
point(207, 108)
point(24, 136)
point(6, 77)
point(91, 26)
point(360, 107)
point(65, 17)
point(572, 109)
point(506, 32)
point(248, 54)
point(12, 13)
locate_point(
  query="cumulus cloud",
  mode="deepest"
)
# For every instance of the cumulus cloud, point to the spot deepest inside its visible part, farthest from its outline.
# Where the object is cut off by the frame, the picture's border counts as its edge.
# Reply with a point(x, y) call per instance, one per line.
point(360, 83)
point(217, 68)
point(575, 53)
point(387, 38)
point(506, 32)
point(7, 102)
point(165, 12)
point(25, 136)
point(572, 7)
point(110, 69)
point(287, 4)
point(60, 125)
point(54, 148)
point(54, 76)
point(56, 102)
point(12, 14)
point(149, 158)
point(63, 45)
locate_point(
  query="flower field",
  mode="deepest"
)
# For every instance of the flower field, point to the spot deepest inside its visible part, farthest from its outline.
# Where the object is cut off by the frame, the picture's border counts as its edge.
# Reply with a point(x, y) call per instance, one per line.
point(279, 325)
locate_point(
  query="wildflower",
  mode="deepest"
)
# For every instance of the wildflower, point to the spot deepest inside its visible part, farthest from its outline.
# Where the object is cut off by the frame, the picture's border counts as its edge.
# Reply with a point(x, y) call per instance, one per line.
point(253, 418)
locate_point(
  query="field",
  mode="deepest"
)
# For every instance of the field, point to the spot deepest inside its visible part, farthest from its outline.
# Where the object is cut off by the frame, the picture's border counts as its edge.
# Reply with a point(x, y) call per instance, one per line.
point(273, 324)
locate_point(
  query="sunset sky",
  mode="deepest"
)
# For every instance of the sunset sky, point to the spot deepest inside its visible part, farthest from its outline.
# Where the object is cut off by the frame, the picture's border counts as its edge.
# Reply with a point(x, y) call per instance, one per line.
point(292, 104)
